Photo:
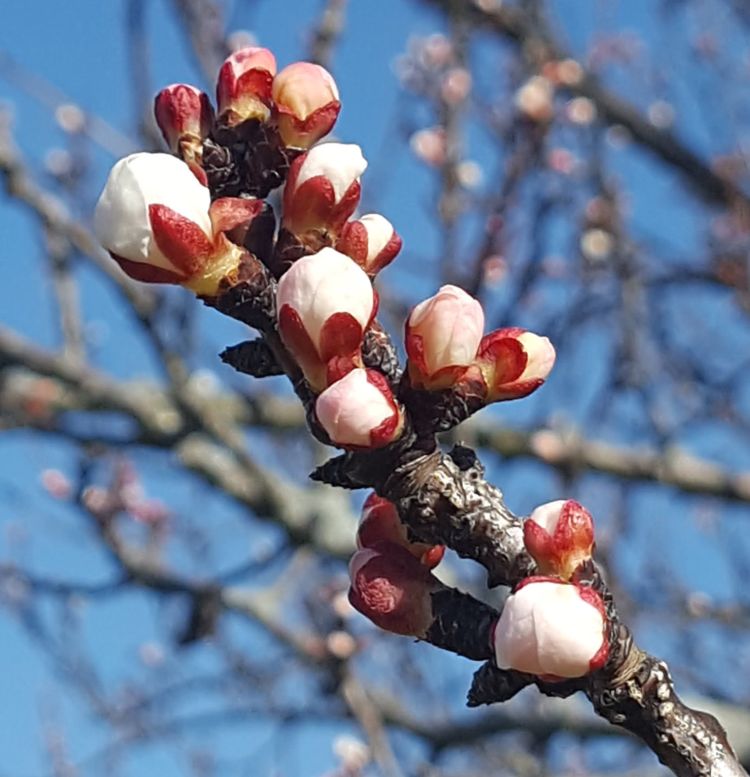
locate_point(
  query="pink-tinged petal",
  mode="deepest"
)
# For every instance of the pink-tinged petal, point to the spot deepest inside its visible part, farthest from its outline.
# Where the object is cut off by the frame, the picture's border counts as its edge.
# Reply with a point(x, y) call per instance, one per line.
point(551, 629)
point(179, 239)
point(303, 88)
point(322, 188)
point(392, 589)
point(547, 516)
point(535, 99)
point(359, 412)
point(443, 333)
point(307, 103)
point(228, 213)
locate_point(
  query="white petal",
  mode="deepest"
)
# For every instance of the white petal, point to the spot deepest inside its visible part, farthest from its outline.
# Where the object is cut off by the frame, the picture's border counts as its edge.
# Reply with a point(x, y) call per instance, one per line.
point(541, 355)
point(341, 163)
point(547, 515)
point(379, 232)
point(451, 325)
point(569, 631)
point(547, 628)
point(515, 638)
point(351, 408)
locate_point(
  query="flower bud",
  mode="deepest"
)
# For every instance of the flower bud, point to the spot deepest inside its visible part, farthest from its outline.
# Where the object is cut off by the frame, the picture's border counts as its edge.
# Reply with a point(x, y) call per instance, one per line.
point(307, 104)
point(157, 222)
point(185, 116)
point(391, 588)
point(370, 241)
point(442, 337)
point(380, 522)
point(514, 363)
point(551, 629)
point(359, 411)
point(536, 99)
point(243, 89)
point(325, 304)
point(323, 189)
point(559, 536)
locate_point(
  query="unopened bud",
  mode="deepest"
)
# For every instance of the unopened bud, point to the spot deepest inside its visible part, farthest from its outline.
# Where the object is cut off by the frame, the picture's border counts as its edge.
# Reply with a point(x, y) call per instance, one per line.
point(359, 411)
point(443, 334)
point(391, 588)
point(322, 190)
point(551, 629)
point(325, 304)
point(244, 86)
point(514, 363)
point(158, 223)
point(380, 522)
point(370, 241)
point(184, 115)
point(307, 104)
point(559, 536)
point(535, 99)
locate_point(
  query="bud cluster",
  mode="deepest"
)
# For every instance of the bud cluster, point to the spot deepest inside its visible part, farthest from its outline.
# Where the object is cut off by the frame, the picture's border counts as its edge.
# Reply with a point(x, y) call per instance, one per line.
point(553, 625)
point(447, 349)
point(200, 219)
point(391, 582)
point(551, 629)
point(166, 220)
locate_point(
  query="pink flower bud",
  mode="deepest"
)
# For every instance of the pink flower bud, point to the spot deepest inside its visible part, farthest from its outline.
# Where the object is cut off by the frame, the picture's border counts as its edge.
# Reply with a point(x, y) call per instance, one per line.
point(559, 536)
point(370, 241)
point(359, 411)
point(514, 363)
point(325, 304)
point(551, 629)
point(157, 222)
point(535, 99)
point(184, 115)
point(380, 523)
point(307, 103)
point(392, 589)
point(442, 337)
point(323, 189)
point(243, 90)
